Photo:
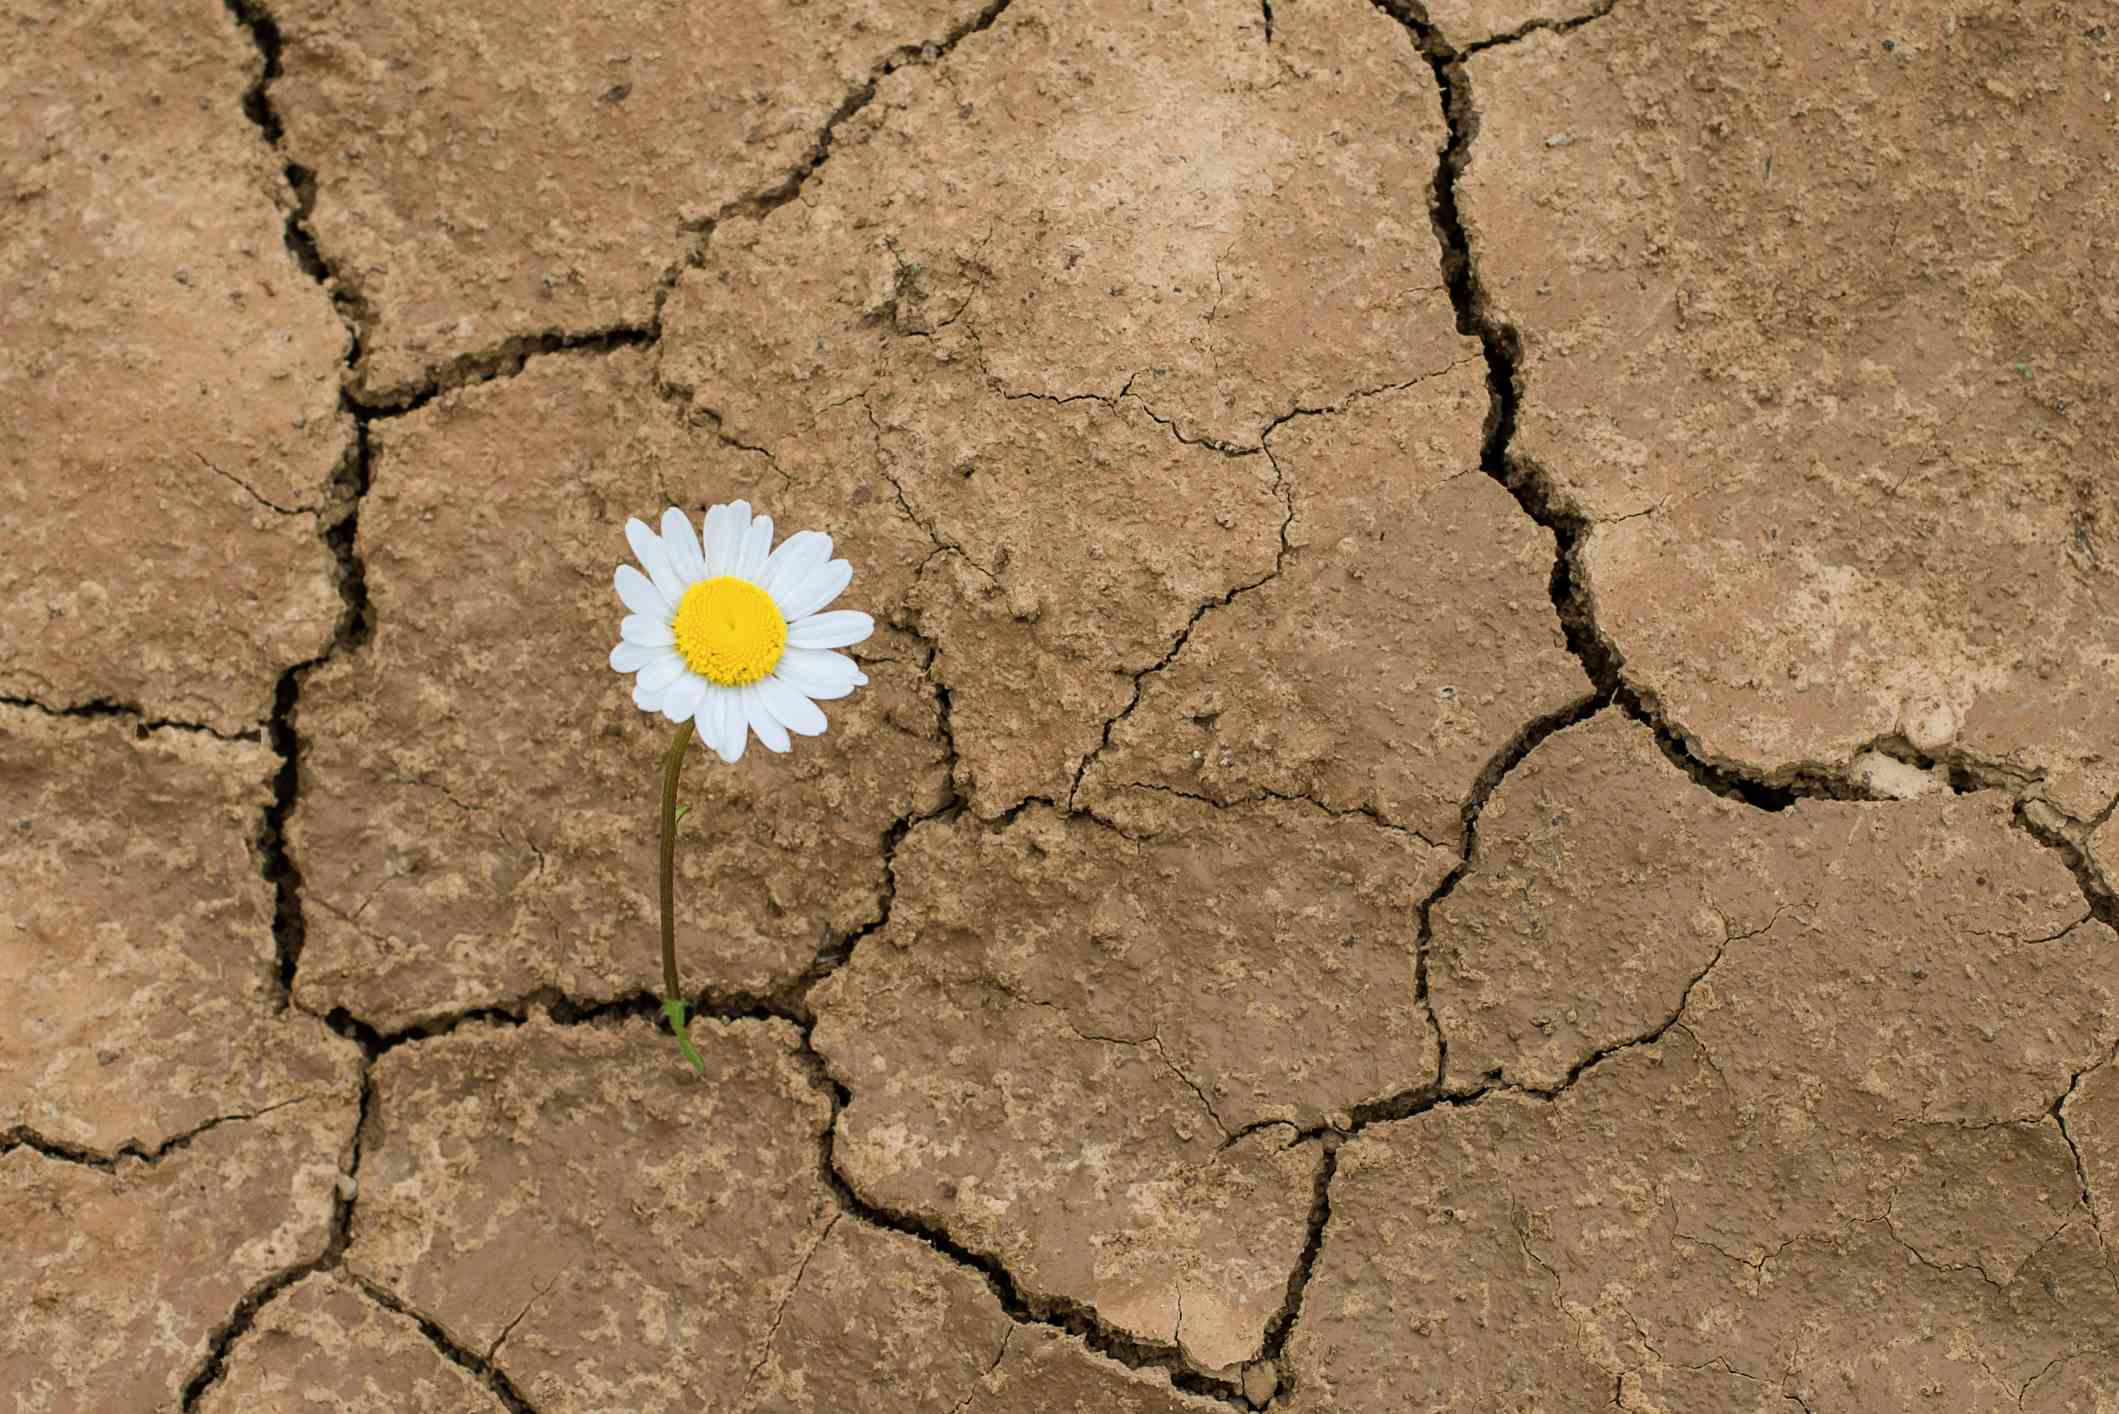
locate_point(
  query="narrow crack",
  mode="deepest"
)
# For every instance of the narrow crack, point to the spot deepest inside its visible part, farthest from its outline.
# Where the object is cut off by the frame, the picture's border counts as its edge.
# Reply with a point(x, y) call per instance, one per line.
point(1282, 1323)
point(236, 481)
point(2069, 839)
point(1654, 1034)
point(922, 54)
point(240, 1321)
point(1431, 1093)
point(143, 725)
point(264, 32)
point(131, 1151)
point(339, 528)
point(1890, 1227)
point(2058, 1111)
point(1519, 1227)
point(504, 360)
point(1184, 635)
point(275, 862)
point(333, 1258)
point(339, 532)
point(1265, 793)
point(765, 1347)
point(1556, 26)
point(485, 1371)
point(1346, 401)
point(1024, 1308)
point(536, 1296)
point(1007, 1334)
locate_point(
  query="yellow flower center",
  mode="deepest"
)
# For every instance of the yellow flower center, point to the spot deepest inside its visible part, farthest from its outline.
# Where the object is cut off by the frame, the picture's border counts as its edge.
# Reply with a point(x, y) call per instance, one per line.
point(729, 631)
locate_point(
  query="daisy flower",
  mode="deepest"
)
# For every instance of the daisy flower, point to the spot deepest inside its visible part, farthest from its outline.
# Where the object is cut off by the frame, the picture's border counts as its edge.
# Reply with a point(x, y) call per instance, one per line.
point(728, 633)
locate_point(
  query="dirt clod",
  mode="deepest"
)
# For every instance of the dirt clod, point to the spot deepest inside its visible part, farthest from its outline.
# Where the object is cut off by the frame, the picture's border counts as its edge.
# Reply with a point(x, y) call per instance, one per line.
point(1831, 396)
point(595, 1204)
point(170, 385)
point(645, 122)
point(129, 1026)
point(327, 1345)
point(130, 1272)
point(1106, 1093)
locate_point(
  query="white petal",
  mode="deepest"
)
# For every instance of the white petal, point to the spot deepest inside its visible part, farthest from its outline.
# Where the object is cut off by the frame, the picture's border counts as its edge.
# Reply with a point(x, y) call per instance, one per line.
point(648, 632)
point(762, 721)
point(664, 670)
point(709, 718)
point(818, 674)
point(632, 657)
point(647, 548)
point(640, 594)
point(757, 545)
point(791, 563)
point(725, 713)
point(840, 628)
point(682, 543)
point(646, 701)
point(709, 537)
point(683, 697)
point(725, 526)
point(814, 590)
point(793, 711)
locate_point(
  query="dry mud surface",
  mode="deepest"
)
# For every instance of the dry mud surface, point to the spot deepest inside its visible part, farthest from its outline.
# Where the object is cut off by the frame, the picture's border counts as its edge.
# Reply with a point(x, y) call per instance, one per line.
point(1488, 776)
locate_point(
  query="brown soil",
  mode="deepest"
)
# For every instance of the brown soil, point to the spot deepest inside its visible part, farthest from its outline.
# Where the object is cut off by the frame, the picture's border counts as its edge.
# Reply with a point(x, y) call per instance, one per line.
point(1488, 779)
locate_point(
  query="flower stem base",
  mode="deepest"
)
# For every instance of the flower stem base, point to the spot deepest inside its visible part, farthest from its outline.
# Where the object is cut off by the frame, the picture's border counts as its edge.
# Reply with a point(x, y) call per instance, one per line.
point(672, 995)
point(673, 1008)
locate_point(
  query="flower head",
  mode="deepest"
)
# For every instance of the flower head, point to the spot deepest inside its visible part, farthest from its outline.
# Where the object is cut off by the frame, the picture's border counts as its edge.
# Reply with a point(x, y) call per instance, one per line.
point(730, 633)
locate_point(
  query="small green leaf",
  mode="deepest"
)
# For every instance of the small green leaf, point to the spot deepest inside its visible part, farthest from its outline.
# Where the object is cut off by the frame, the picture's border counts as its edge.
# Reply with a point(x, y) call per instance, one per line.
point(673, 1008)
point(682, 811)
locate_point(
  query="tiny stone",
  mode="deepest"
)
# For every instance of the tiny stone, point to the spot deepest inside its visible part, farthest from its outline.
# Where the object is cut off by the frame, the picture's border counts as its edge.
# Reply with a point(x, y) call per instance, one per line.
point(1892, 779)
point(1930, 726)
point(1260, 1381)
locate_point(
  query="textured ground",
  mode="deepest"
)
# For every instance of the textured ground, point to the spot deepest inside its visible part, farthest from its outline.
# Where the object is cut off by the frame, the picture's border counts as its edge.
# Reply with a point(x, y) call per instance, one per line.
point(1489, 776)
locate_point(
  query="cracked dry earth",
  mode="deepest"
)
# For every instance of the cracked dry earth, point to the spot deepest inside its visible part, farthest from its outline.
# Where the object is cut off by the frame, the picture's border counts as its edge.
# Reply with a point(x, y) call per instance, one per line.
point(1489, 776)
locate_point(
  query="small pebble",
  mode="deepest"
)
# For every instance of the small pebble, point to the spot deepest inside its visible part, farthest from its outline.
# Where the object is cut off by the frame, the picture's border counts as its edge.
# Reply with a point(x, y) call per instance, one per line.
point(1260, 1382)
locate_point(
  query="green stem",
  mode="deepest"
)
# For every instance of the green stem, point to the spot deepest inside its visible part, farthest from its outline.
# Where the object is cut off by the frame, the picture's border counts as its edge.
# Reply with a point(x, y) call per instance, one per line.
point(672, 997)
